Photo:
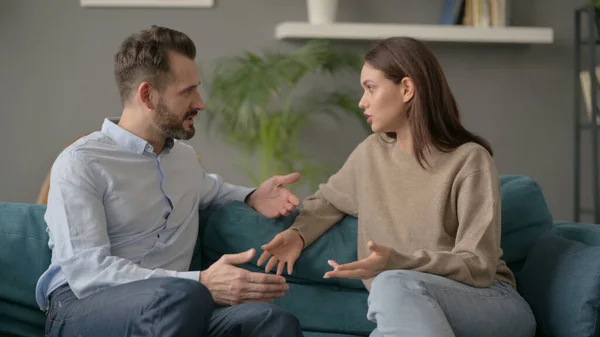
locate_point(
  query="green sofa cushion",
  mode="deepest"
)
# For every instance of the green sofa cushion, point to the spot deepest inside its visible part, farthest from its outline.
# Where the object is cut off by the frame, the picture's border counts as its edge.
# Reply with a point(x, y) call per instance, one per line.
point(303, 297)
point(561, 281)
point(236, 227)
point(525, 216)
point(24, 256)
point(326, 334)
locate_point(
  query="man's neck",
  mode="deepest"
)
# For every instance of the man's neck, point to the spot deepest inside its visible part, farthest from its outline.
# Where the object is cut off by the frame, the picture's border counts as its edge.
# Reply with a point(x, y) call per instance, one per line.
point(141, 128)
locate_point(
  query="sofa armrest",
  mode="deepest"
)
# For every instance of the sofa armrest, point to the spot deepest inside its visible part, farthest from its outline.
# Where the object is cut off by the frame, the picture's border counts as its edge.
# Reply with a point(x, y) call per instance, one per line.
point(561, 281)
point(588, 234)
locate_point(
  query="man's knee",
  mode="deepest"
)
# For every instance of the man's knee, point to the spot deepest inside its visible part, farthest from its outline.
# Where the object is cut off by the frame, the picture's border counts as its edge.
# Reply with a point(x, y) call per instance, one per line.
point(274, 315)
point(183, 306)
point(188, 295)
point(270, 310)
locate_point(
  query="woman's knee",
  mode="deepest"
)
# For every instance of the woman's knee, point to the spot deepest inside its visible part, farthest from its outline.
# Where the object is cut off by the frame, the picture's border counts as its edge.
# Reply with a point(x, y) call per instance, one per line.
point(392, 290)
point(398, 280)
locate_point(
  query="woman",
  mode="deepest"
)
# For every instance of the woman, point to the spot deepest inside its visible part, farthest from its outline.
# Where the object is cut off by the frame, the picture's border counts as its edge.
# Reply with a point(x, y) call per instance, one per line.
point(427, 197)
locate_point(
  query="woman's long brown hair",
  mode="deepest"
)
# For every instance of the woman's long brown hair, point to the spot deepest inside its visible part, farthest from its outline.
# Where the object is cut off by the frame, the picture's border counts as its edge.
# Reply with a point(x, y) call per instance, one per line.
point(432, 113)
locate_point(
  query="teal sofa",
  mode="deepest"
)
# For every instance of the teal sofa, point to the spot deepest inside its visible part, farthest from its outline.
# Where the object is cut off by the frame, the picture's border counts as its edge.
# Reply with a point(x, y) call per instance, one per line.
point(557, 265)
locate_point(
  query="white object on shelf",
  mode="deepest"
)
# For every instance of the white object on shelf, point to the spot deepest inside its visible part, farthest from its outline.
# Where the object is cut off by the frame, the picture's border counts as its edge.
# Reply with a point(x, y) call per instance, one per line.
point(442, 33)
point(321, 11)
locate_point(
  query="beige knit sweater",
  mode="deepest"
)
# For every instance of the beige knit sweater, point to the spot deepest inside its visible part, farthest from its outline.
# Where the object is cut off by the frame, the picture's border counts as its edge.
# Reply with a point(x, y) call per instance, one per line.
point(444, 220)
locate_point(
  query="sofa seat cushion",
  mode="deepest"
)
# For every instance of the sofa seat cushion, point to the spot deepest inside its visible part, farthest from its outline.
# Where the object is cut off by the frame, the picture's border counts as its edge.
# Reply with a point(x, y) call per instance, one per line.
point(561, 281)
point(24, 256)
point(316, 301)
point(317, 307)
point(326, 334)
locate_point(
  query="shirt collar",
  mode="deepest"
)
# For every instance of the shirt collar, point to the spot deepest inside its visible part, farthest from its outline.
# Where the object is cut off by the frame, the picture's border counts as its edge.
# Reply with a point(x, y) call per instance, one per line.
point(128, 140)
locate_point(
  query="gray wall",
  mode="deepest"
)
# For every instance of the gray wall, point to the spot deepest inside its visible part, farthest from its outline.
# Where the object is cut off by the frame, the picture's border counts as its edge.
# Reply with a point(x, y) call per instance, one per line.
point(56, 82)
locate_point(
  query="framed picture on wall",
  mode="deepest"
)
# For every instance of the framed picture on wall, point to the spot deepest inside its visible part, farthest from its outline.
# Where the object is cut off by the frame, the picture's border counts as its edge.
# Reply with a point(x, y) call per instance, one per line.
point(147, 3)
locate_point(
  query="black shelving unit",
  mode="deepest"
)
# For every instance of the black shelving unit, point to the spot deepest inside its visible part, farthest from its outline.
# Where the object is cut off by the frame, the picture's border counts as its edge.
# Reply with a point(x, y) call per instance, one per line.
point(587, 45)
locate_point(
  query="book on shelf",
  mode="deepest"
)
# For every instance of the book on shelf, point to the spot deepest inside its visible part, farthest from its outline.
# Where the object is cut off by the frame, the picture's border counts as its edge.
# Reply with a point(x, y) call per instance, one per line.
point(586, 89)
point(476, 13)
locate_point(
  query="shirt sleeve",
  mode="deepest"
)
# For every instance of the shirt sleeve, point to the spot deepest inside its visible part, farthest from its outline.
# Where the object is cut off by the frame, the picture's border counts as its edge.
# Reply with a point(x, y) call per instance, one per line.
point(217, 192)
point(77, 225)
point(330, 203)
point(474, 258)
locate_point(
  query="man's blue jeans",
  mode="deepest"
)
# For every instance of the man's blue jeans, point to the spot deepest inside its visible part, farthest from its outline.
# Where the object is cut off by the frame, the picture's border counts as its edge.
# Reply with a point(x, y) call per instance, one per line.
point(162, 307)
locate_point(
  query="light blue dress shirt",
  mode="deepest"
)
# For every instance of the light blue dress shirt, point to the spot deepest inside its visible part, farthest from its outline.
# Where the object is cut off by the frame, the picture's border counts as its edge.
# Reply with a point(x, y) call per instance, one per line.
point(109, 212)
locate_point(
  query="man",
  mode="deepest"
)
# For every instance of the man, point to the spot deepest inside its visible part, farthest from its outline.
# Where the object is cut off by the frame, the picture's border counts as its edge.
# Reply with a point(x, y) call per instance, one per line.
point(122, 217)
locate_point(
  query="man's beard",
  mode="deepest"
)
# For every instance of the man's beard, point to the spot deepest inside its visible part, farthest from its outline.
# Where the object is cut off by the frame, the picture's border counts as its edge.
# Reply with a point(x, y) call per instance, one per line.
point(171, 125)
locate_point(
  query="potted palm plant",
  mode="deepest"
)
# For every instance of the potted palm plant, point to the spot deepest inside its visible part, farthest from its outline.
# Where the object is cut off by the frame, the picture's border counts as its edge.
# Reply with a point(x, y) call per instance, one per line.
point(255, 101)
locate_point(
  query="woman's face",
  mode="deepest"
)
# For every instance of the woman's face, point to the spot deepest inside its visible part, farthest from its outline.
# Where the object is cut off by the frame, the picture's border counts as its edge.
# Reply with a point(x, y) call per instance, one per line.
point(383, 101)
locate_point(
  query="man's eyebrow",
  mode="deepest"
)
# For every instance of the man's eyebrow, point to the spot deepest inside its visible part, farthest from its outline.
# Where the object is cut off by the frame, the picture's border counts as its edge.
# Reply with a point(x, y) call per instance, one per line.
point(193, 86)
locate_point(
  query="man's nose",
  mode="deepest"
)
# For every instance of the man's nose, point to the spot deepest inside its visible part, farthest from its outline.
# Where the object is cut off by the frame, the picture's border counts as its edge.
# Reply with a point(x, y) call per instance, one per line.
point(198, 103)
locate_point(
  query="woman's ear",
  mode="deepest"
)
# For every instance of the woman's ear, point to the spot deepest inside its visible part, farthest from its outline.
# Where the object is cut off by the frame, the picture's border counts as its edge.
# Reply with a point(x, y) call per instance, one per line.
point(407, 87)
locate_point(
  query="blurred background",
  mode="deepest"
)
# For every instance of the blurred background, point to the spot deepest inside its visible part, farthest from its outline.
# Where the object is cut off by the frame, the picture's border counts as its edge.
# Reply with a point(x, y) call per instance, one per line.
point(57, 85)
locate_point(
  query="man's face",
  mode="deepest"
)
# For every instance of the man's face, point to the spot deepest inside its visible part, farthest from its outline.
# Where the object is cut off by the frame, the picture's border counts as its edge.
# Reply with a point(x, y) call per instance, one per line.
point(180, 101)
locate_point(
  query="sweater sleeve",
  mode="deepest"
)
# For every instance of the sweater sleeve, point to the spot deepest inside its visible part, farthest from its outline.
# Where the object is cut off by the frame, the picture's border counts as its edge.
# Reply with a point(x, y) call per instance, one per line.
point(330, 203)
point(474, 258)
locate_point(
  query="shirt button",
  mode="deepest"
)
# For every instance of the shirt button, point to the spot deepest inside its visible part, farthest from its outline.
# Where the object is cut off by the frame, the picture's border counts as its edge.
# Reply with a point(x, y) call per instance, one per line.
point(73, 232)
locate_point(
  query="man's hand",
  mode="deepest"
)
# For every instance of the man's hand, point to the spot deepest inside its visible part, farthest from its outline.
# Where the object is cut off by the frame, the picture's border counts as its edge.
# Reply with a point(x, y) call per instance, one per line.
point(363, 269)
point(230, 285)
point(273, 200)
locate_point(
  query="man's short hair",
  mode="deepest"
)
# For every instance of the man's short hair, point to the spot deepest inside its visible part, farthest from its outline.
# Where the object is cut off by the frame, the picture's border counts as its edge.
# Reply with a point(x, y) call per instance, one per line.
point(143, 57)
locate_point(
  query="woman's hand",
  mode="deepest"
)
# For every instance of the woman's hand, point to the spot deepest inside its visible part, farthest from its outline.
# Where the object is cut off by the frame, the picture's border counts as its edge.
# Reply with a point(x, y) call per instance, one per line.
point(285, 248)
point(363, 269)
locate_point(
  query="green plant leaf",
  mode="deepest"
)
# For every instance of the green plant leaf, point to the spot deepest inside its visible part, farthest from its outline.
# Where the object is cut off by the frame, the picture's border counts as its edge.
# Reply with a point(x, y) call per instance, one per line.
point(254, 102)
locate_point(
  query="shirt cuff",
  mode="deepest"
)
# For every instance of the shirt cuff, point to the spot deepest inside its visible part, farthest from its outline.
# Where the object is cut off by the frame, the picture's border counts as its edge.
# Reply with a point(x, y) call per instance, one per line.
point(252, 190)
point(190, 275)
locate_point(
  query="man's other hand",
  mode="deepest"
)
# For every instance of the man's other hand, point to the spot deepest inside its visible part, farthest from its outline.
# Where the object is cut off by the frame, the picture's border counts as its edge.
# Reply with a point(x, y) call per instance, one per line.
point(230, 285)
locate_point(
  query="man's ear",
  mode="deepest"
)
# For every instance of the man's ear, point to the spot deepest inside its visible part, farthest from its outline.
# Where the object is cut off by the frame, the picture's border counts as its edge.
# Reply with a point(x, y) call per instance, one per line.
point(407, 86)
point(146, 93)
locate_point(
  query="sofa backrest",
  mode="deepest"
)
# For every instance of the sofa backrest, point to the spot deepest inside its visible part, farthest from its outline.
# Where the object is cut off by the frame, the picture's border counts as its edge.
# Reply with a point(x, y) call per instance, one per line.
point(525, 216)
point(24, 256)
point(24, 252)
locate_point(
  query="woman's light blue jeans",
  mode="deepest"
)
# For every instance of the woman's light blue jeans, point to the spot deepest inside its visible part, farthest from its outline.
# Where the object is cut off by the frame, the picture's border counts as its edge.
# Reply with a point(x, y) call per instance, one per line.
point(409, 303)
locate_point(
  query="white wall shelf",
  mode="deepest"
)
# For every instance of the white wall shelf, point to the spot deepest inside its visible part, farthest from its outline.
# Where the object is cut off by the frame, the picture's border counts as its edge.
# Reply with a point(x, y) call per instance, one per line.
point(439, 33)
